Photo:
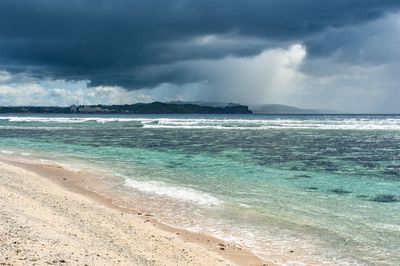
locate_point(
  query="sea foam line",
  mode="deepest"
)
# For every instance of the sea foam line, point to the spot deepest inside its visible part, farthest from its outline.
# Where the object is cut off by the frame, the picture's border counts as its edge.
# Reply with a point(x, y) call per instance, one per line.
point(181, 193)
point(226, 123)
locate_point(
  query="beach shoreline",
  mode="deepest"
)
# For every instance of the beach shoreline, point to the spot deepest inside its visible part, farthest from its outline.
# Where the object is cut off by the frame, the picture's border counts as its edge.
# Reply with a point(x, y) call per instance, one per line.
point(171, 245)
point(300, 190)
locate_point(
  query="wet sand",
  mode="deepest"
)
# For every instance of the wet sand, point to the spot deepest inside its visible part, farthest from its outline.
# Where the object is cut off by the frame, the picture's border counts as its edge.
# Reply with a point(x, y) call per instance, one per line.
point(49, 216)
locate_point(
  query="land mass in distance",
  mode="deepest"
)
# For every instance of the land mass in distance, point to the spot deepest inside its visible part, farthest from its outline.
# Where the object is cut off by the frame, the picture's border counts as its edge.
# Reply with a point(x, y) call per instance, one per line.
point(138, 108)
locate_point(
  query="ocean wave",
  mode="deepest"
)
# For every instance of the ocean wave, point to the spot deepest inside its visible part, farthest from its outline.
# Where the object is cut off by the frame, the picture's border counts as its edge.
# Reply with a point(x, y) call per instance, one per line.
point(181, 193)
point(330, 123)
point(37, 128)
point(6, 152)
point(66, 119)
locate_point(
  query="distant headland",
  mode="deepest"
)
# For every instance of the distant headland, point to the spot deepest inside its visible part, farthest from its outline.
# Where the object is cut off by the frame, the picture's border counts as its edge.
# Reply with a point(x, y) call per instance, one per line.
point(138, 108)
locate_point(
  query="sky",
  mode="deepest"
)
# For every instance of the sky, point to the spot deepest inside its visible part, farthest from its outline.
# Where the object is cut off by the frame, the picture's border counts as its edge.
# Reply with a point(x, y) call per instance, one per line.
point(322, 54)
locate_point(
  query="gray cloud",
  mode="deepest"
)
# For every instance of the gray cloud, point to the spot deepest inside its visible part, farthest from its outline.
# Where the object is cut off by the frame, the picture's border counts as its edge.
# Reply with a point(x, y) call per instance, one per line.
point(140, 43)
point(374, 42)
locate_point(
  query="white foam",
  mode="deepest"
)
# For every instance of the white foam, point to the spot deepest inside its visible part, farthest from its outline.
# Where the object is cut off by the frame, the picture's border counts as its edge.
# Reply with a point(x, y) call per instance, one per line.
point(6, 152)
point(332, 124)
point(37, 128)
point(181, 193)
point(327, 123)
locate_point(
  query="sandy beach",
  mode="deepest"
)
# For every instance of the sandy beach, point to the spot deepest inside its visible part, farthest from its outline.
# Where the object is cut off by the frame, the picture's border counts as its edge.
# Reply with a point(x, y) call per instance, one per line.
point(47, 218)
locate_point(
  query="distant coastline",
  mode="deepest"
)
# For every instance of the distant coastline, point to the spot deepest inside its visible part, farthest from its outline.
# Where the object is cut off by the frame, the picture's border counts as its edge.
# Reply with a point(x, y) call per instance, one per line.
point(138, 108)
point(280, 109)
point(174, 107)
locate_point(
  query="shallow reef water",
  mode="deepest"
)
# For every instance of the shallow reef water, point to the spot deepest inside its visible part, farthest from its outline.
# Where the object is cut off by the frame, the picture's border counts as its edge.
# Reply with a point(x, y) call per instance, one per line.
point(327, 185)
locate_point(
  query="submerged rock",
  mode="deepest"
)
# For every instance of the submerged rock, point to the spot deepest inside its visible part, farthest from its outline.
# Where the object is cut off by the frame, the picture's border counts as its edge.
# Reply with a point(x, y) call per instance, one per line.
point(339, 191)
point(385, 198)
point(303, 176)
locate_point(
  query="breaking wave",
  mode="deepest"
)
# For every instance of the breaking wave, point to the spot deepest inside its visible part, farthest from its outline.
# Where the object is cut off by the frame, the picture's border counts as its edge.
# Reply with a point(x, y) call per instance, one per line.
point(252, 122)
point(180, 193)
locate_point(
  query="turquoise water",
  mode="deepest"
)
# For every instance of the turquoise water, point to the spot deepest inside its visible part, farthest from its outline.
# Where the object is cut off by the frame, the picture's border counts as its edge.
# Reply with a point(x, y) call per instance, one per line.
point(326, 187)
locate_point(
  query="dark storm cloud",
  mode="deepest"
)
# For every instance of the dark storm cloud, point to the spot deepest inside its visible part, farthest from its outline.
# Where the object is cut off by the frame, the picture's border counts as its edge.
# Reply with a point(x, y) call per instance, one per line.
point(376, 42)
point(132, 43)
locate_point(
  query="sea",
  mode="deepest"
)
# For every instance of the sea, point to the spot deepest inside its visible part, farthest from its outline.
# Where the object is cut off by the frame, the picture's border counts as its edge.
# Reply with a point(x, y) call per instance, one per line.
point(296, 189)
